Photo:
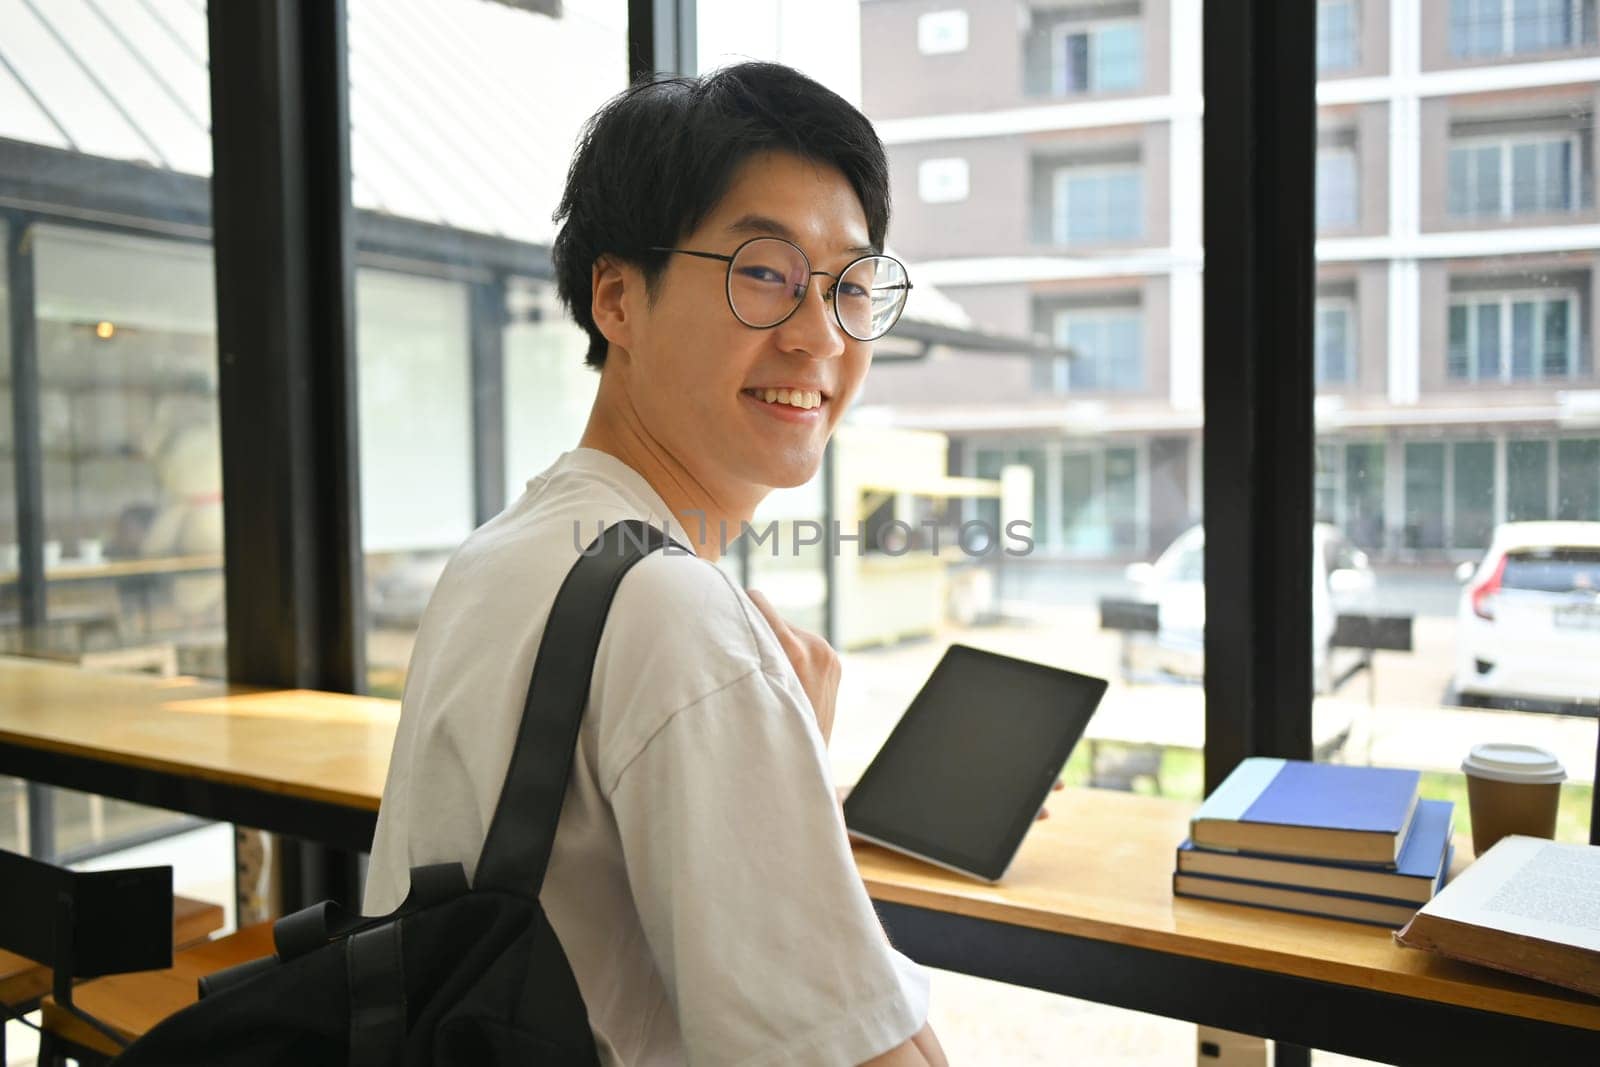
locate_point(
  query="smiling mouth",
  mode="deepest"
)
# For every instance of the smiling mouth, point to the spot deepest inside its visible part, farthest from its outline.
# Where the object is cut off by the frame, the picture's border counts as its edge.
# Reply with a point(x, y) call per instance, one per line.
point(801, 399)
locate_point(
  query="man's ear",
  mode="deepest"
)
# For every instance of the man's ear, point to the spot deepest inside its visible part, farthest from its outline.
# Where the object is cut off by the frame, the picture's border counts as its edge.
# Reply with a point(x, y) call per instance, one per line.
point(609, 294)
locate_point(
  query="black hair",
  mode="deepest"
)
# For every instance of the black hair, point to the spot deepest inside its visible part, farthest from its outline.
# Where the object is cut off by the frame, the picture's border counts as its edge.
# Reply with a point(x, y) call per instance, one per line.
point(657, 158)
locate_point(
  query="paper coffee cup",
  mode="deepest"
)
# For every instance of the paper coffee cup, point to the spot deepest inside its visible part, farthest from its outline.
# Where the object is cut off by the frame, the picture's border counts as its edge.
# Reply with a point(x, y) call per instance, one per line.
point(1511, 789)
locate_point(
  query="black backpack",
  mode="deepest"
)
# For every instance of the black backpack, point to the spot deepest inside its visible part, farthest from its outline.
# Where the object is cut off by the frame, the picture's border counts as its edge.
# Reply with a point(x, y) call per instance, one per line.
point(454, 976)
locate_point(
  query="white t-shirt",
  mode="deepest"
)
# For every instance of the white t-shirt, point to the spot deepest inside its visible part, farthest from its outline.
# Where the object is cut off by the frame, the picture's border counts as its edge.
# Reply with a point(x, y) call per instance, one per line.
point(701, 881)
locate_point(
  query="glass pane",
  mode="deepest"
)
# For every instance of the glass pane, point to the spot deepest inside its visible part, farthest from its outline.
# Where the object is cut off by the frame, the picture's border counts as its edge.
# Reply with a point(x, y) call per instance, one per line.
point(1075, 62)
point(1363, 480)
point(1557, 184)
point(1527, 481)
point(1459, 195)
point(1336, 187)
point(1522, 340)
point(1486, 199)
point(1336, 35)
point(1473, 499)
point(1125, 348)
point(1109, 497)
point(464, 116)
point(1477, 304)
point(1460, 341)
point(1332, 345)
point(1424, 496)
point(105, 119)
point(1122, 497)
point(1557, 339)
point(1124, 207)
point(1486, 29)
point(1528, 193)
point(1079, 520)
point(1118, 58)
point(1578, 480)
point(1487, 341)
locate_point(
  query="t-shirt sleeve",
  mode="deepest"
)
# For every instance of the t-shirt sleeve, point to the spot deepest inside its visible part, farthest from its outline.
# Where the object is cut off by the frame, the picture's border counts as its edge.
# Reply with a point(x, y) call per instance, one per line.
point(744, 882)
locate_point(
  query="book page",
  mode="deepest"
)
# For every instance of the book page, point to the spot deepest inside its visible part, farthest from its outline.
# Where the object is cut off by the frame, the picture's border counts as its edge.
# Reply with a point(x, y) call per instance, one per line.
point(1532, 887)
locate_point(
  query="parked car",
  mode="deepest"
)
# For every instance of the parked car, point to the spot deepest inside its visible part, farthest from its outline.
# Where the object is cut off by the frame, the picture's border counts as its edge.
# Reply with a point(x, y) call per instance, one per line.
point(1176, 583)
point(1528, 625)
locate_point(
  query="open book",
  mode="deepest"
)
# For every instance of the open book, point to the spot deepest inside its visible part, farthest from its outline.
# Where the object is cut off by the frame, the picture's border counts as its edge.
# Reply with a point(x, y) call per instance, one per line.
point(1528, 906)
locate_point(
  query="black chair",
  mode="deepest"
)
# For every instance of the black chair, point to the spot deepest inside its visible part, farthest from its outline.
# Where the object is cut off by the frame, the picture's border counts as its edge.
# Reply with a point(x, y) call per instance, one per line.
point(82, 925)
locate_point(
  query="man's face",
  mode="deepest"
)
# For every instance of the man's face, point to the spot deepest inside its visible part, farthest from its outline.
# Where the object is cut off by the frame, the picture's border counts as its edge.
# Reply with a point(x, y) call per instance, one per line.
point(698, 376)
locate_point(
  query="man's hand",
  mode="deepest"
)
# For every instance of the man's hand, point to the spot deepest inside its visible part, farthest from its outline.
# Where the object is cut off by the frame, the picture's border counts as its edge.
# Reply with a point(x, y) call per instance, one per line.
point(814, 661)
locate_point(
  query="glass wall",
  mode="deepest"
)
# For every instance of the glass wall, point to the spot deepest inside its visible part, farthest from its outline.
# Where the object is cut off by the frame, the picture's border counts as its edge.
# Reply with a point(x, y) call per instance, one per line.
point(109, 404)
point(1466, 426)
point(1083, 229)
point(464, 115)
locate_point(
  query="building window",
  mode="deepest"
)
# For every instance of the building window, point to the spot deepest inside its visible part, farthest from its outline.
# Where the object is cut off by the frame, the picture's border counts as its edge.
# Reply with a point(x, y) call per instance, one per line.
point(1424, 484)
point(1110, 350)
point(1472, 493)
point(1102, 57)
point(1338, 188)
point(942, 32)
point(1335, 342)
point(1337, 47)
point(1099, 500)
point(1528, 175)
point(942, 181)
point(1503, 27)
point(1098, 204)
point(990, 462)
point(1506, 337)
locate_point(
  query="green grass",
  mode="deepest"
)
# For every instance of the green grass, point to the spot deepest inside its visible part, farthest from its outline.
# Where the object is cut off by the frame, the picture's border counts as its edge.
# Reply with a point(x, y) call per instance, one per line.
point(1183, 778)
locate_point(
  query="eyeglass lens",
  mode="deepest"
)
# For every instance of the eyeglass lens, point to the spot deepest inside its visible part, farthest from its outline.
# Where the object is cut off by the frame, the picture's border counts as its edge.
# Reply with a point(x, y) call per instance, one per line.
point(767, 281)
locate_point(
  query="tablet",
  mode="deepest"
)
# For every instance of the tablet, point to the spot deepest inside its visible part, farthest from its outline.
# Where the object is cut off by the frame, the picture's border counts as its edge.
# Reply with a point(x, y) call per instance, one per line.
point(964, 773)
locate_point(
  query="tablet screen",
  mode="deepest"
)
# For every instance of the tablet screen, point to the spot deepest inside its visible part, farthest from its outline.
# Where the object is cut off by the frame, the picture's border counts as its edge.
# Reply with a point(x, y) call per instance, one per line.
point(964, 772)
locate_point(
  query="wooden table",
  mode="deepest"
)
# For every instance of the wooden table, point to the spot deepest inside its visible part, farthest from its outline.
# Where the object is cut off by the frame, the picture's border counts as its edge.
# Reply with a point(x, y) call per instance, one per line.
point(1086, 909)
point(295, 762)
point(77, 570)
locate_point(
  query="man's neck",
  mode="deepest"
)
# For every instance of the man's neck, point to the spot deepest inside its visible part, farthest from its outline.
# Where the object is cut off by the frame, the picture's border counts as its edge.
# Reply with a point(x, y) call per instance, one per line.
point(711, 524)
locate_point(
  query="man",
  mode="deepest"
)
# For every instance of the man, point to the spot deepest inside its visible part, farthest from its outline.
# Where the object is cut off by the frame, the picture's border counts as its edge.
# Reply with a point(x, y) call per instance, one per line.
point(719, 245)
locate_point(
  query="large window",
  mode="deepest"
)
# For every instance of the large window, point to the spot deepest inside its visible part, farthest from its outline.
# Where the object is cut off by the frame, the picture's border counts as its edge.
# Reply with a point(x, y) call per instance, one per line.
point(1528, 175)
point(1509, 337)
point(472, 380)
point(1097, 57)
point(1500, 27)
point(1109, 350)
point(1463, 420)
point(109, 403)
point(1098, 203)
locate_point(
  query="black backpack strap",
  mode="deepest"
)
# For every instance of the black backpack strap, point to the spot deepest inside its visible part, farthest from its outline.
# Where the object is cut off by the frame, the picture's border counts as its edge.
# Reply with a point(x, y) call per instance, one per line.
point(523, 830)
point(376, 971)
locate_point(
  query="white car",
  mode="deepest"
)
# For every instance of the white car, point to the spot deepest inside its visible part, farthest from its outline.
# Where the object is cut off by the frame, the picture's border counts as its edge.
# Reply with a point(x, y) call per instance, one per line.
point(1176, 583)
point(1528, 626)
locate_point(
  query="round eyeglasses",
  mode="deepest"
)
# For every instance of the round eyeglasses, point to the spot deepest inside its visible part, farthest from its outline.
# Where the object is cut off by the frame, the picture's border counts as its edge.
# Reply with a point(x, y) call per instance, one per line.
point(768, 278)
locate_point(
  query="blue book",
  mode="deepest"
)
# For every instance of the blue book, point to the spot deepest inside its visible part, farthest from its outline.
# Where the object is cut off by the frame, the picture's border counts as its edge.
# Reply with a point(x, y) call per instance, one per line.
point(1416, 878)
point(1353, 906)
point(1323, 811)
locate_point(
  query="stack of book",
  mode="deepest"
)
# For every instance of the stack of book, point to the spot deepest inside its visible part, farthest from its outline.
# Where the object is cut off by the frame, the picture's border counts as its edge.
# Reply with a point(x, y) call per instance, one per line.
point(1320, 839)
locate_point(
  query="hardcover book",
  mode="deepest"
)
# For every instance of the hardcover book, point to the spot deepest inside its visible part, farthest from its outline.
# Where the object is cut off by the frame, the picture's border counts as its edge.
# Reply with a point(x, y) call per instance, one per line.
point(1321, 811)
point(1417, 876)
point(1375, 910)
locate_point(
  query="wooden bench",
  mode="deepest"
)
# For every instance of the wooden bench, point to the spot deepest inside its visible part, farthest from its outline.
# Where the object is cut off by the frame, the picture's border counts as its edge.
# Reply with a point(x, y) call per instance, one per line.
point(132, 1004)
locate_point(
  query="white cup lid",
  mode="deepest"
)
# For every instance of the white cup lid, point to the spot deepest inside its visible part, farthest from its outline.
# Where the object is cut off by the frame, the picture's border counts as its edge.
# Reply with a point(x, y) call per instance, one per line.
point(1506, 762)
